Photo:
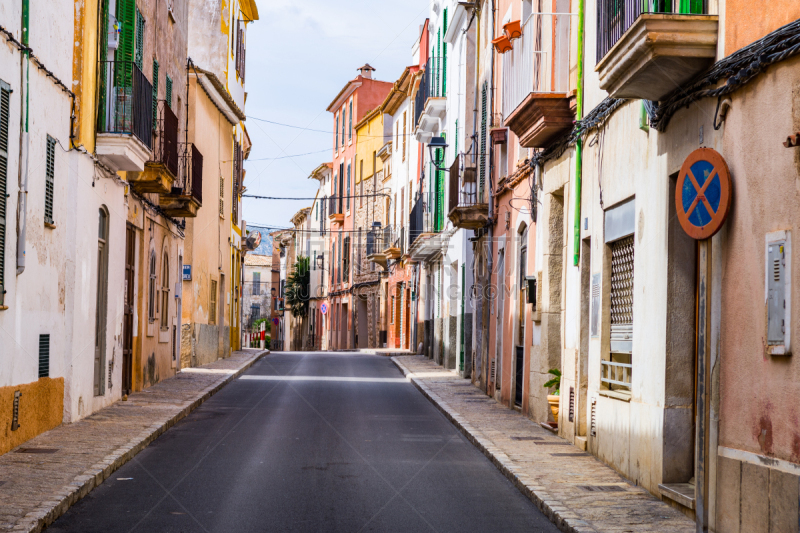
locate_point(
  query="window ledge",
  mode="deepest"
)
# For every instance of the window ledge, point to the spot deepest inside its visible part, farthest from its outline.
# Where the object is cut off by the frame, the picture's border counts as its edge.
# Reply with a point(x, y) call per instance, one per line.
point(49, 225)
point(682, 493)
point(623, 396)
point(3, 307)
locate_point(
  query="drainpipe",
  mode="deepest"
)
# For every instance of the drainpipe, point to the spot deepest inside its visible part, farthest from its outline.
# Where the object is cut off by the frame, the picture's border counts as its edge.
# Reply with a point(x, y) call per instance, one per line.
point(579, 144)
point(490, 255)
point(24, 139)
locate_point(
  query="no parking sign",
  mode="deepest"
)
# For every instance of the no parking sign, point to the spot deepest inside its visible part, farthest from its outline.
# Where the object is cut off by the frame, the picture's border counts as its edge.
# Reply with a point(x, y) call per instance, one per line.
point(703, 193)
point(323, 309)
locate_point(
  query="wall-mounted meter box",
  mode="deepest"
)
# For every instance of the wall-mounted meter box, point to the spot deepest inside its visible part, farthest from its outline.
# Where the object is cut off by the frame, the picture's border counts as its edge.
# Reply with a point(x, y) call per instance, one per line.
point(778, 292)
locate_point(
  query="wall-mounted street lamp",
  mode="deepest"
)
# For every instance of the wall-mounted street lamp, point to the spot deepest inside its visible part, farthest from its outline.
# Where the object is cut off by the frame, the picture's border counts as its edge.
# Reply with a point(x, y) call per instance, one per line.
point(435, 144)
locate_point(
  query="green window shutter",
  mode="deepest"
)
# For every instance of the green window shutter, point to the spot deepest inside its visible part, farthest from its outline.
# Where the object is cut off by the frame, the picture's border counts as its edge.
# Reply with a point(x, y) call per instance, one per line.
point(438, 62)
point(348, 186)
point(455, 148)
point(50, 172)
point(126, 18)
point(444, 58)
point(350, 131)
point(482, 145)
point(5, 101)
point(694, 7)
point(169, 92)
point(139, 51)
point(336, 136)
point(155, 93)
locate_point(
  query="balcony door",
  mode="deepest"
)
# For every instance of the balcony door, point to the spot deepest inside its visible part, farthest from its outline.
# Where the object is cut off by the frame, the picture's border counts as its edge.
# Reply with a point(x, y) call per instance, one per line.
point(127, 334)
point(519, 360)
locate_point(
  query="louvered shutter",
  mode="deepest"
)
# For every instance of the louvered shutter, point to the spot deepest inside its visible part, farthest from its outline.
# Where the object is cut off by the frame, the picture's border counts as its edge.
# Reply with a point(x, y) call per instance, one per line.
point(444, 56)
point(482, 145)
point(5, 101)
point(622, 255)
point(438, 68)
point(126, 17)
point(44, 355)
point(155, 94)
point(50, 171)
point(169, 92)
point(139, 51)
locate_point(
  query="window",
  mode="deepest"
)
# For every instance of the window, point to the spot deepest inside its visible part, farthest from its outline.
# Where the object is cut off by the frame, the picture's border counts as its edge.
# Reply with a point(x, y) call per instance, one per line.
point(336, 137)
point(102, 299)
point(155, 93)
point(348, 186)
point(256, 283)
point(212, 303)
point(346, 265)
point(240, 49)
point(151, 307)
point(169, 92)
point(343, 126)
point(616, 370)
point(350, 129)
point(139, 47)
point(396, 136)
point(361, 181)
point(255, 312)
point(404, 135)
point(5, 101)
point(50, 171)
point(165, 292)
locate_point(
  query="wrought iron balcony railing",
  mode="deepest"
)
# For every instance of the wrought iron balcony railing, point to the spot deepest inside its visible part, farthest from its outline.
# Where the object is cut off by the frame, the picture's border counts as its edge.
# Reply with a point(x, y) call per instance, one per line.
point(615, 17)
point(432, 84)
point(190, 173)
point(166, 149)
point(539, 61)
point(463, 184)
point(126, 101)
point(335, 205)
point(427, 216)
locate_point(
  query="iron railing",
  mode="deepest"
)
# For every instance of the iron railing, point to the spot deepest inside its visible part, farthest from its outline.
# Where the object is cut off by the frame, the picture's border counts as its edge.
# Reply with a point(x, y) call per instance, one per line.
point(616, 374)
point(166, 149)
point(323, 208)
point(463, 184)
point(126, 101)
point(335, 205)
point(615, 17)
point(539, 61)
point(190, 174)
point(423, 218)
point(433, 84)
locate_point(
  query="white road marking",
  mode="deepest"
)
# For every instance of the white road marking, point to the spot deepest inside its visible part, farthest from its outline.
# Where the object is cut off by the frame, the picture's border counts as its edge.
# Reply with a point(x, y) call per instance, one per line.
point(325, 378)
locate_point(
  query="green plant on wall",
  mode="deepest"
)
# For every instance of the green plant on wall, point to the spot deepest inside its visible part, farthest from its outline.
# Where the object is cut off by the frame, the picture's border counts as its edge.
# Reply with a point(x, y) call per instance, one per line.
point(555, 381)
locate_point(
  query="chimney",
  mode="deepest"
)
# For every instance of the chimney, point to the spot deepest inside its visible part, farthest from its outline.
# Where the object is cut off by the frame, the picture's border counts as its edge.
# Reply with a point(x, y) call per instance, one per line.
point(366, 71)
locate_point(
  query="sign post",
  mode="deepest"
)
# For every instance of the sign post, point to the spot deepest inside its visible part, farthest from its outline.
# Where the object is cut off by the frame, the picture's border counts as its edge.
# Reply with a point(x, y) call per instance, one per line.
point(703, 197)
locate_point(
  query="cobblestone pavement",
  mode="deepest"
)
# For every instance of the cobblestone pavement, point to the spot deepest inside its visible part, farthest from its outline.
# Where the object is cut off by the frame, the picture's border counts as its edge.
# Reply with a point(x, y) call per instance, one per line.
point(564, 487)
point(37, 488)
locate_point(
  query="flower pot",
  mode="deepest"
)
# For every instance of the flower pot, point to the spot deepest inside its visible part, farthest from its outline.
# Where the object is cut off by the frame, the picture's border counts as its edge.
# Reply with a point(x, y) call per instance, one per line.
point(502, 44)
point(554, 401)
point(513, 29)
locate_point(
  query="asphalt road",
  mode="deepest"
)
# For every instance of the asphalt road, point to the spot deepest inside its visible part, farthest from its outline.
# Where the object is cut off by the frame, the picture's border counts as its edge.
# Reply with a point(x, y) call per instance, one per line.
point(332, 453)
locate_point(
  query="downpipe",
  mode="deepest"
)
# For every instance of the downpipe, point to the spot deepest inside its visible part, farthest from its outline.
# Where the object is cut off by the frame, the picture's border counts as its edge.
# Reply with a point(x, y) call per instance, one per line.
point(579, 145)
point(22, 203)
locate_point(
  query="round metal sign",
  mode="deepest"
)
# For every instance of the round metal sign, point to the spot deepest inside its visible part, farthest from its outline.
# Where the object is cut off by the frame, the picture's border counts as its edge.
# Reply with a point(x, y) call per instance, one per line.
point(703, 193)
point(276, 321)
point(323, 308)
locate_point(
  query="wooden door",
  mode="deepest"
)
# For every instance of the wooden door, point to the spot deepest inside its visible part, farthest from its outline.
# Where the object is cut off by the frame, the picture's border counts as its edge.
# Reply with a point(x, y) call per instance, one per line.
point(127, 333)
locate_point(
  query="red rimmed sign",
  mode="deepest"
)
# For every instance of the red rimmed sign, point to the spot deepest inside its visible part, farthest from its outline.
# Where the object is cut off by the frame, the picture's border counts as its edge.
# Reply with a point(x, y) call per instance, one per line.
point(703, 193)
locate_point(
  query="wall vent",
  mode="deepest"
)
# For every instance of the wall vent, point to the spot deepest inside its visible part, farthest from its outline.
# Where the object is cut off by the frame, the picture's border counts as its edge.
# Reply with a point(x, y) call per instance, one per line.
point(594, 417)
point(44, 355)
point(15, 411)
point(571, 404)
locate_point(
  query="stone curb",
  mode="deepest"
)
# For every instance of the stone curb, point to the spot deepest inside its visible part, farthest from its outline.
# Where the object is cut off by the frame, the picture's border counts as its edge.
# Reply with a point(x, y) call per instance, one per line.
point(69, 495)
point(555, 511)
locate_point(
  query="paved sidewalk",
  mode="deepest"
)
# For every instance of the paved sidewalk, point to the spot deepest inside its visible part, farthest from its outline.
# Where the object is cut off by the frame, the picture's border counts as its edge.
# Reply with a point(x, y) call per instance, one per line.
point(569, 486)
point(37, 488)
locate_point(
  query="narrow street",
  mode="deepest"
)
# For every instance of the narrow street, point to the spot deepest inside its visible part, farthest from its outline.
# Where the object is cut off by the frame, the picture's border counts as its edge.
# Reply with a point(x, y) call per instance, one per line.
point(309, 442)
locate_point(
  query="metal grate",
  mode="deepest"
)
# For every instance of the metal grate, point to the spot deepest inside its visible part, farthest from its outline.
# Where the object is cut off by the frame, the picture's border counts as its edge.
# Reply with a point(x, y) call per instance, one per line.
point(622, 281)
point(527, 438)
point(44, 355)
point(36, 450)
point(593, 422)
point(50, 172)
point(601, 488)
point(570, 454)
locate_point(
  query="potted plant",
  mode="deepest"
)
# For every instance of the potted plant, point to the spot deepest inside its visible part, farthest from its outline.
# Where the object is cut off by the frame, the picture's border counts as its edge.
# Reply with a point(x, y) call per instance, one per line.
point(513, 29)
point(553, 399)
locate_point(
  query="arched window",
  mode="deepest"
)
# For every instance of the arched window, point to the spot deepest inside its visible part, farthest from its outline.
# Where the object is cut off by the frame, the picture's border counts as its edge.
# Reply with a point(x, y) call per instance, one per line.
point(165, 292)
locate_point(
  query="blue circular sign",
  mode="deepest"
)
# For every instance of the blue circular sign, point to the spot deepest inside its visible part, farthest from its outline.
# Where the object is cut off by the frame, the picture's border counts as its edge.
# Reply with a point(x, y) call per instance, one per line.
point(324, 308)
point(703, 193)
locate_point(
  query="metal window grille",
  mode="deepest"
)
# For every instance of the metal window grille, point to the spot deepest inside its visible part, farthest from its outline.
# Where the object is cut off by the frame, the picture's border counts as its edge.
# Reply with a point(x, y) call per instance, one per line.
point(139, 47)
point(44, 355)
point(482, 146)
point(256, 283)
point(169, 92)
point(212, 304)
point(616, 372)
point(5, 94)
point(50, 171)
point(151, 314)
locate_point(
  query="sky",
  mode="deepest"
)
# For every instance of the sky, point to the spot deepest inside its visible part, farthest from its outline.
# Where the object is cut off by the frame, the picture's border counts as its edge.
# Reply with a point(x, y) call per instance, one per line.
point(299, 56)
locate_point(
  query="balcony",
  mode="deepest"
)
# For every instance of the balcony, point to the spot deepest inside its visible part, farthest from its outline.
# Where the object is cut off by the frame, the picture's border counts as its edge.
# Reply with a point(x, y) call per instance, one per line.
point(162, 170)
point(425, 227)
point(536, 87)
point(466, 208)
point(394, 242)
point(186, 195)
point(430, 103)
point(335, 209)
point(124, 117)
point(376, 245)
point(648, 48)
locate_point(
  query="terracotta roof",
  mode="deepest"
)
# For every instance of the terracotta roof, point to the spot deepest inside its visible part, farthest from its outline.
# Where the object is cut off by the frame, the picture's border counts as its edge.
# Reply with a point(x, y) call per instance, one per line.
point(257, 260)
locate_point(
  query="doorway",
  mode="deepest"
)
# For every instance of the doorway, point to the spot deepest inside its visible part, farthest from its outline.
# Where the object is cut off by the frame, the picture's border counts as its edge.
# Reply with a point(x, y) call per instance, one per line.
point(127, 320)
point(519, 360)
point(362, 336)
